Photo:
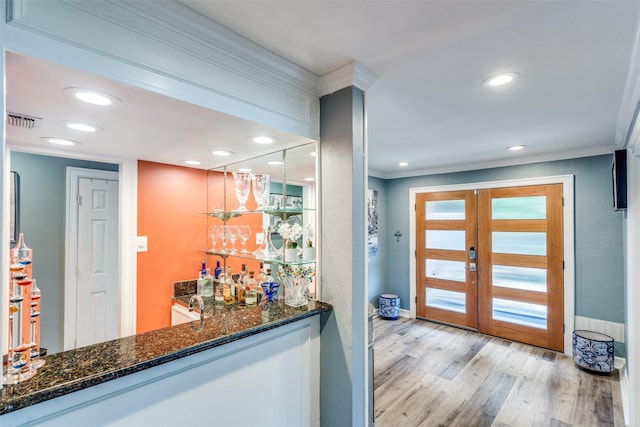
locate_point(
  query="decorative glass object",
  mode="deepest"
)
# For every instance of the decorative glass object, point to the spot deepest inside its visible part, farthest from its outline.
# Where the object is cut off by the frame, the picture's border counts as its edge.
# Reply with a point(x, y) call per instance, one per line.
point(296, 281)
point(270, 288)
point(242, 186)
point(19, 350)
point(261, 190)
point(263, 249)
point(36, 295)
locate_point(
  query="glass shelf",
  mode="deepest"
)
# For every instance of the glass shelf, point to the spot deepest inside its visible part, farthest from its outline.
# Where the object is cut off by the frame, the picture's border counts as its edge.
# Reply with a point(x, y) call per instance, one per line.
point(283, 214)
point(250, 256)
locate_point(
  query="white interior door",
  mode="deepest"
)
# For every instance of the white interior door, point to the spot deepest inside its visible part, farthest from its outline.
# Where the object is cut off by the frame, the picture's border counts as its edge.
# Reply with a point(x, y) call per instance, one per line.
point(94, 316)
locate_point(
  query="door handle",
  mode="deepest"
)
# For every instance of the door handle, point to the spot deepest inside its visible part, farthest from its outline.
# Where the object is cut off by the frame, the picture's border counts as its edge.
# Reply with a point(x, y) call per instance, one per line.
point(472, 253)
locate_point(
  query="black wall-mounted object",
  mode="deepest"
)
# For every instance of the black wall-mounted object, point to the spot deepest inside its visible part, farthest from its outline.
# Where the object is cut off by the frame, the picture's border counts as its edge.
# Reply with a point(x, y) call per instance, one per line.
point(619, 176)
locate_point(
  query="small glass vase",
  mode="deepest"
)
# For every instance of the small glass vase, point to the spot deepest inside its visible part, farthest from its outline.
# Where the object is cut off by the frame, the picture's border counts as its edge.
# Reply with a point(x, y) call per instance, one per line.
point(270, 289)
point(296, 290)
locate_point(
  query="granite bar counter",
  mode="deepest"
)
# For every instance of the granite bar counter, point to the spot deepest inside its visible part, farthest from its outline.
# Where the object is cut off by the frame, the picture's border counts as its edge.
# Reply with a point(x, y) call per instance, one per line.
point(80, 369)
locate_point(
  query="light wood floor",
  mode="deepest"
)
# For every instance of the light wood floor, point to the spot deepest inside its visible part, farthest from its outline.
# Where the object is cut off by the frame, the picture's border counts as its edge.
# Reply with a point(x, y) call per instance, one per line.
point(427, 374)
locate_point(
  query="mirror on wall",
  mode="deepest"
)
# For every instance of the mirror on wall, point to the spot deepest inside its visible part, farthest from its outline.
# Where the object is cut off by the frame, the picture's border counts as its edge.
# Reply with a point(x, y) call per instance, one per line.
point(140, 125)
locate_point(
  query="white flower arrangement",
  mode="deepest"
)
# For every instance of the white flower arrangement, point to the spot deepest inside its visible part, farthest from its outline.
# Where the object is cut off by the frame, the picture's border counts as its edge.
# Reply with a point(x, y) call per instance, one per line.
point(290, 234)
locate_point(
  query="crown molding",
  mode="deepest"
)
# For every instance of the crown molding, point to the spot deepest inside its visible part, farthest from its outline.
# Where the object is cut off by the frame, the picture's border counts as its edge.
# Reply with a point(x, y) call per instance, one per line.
point(627, 128)
point(566, 155)
point(352, 74)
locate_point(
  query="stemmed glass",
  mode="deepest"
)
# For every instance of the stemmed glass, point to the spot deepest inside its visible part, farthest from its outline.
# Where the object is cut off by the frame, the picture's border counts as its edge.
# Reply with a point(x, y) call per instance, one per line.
point(232, 234)
point(261, 190)
point(221, 231)
point(245, 233)
point(242, 186)
point(213, 235)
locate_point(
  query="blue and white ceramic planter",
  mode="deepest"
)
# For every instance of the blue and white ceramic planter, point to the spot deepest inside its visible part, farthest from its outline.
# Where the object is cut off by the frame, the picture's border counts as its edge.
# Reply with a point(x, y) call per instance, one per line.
point(593, 351)
point(389, 306)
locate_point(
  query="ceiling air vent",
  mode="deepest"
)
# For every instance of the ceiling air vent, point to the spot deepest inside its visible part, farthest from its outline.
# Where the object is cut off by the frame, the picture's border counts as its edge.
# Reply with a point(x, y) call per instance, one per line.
point(23, 121)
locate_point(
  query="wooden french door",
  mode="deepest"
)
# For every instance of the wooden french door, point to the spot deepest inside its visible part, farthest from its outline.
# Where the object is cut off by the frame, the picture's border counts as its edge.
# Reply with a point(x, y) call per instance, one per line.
point(507, 280)
point(447, 283)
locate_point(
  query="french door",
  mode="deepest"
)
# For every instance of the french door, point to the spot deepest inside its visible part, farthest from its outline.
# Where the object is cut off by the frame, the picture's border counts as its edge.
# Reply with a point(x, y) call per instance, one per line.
point(492, 260)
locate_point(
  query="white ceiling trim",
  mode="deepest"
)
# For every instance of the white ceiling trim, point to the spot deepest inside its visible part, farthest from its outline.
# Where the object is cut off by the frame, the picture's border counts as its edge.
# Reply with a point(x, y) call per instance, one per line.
point(352, 74)
point(574, 154)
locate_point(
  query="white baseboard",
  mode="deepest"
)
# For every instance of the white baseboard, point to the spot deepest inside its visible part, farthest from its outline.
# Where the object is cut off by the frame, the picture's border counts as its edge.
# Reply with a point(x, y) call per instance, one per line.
point(612, 329)
point(621, 366)
point(403, 313)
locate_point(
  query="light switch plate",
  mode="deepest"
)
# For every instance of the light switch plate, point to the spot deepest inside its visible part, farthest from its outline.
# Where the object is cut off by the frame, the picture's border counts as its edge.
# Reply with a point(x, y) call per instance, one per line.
point(141, 245)
point(259, 238)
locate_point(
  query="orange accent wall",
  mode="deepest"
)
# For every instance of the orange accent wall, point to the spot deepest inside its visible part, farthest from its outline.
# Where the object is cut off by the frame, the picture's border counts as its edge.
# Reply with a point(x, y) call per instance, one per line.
point(171, 203)
point(171, 200)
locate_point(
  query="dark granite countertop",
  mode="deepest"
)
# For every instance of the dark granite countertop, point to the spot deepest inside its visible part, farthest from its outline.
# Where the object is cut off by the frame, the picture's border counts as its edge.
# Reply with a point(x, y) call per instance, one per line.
point(78, 369)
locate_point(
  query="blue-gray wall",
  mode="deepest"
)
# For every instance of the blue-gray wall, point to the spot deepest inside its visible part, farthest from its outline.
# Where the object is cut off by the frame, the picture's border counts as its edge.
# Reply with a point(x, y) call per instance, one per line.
point(599, 263)
point(42, 220)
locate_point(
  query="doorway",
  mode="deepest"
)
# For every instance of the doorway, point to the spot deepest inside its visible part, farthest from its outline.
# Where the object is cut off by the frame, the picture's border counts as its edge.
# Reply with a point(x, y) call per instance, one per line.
point(491, 259)
point(92, 312)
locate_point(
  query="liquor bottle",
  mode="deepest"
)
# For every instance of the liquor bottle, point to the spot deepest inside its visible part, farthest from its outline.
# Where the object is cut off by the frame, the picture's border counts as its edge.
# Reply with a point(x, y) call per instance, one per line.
point(228, 288)
point(207, 287)
point(219, 291)
point(251, 291)
point(218, 270)
point(200, 281)
point(259, 279)
point(240, 287)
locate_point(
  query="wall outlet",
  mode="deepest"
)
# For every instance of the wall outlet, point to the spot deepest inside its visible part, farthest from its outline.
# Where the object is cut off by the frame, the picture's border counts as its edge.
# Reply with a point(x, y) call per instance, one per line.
point(141, 245)
point(259, 238)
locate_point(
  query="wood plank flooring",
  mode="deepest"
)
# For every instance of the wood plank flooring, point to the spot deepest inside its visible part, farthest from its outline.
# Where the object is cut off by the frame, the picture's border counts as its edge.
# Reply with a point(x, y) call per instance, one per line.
point(427, 374)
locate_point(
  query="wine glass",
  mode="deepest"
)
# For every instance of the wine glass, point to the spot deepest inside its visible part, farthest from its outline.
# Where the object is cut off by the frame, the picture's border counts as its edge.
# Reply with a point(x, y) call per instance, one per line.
point(261, 190)
point(242, 186)
point(245, 233)
point(213, 235)
point(222, 235)
point(232, 234)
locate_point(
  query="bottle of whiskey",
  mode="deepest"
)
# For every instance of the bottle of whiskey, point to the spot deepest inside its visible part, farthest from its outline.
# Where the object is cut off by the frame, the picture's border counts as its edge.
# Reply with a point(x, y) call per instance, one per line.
point(240, 287)
point(228, 288)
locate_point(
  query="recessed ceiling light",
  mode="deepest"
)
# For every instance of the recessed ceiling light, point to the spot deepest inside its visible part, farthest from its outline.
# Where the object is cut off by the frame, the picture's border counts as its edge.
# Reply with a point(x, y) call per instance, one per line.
point(309, 178)
point(313, 153)
point(264, 139)
point(83, 127)
point(61, 141)
point(91, 96)
point(222, 153)
point(274, 162)
point(516, 147)
point(403, 164)
point(192, 162)
point(500, 79)
point(244, 170)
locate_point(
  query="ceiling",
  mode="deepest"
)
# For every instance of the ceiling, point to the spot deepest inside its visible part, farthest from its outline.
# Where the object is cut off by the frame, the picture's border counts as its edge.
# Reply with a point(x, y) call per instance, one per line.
point(427, 105)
